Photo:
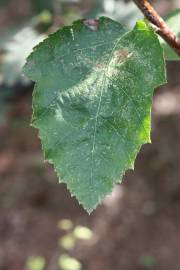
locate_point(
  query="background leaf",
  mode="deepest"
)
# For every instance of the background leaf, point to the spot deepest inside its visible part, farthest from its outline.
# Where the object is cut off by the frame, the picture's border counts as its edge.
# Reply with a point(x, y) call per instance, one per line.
point(173, 21)
point(16, 51)
point(92, 100)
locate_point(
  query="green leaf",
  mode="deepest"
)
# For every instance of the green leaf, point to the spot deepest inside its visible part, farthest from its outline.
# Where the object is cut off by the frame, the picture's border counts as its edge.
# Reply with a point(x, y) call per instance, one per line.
point(92, 99)
point(173, 21)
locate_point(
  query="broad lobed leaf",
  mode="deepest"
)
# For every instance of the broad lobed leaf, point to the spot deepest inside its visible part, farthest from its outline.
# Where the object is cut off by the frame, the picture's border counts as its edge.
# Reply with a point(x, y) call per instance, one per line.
point(92, 101)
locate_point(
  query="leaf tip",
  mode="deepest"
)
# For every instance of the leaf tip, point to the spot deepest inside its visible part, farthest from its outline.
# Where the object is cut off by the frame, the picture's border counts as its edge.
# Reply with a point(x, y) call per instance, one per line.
point(141, 25)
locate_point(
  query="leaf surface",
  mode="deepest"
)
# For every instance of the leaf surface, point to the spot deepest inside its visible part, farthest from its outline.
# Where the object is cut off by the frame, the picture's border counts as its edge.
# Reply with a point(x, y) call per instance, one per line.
point(92, 101)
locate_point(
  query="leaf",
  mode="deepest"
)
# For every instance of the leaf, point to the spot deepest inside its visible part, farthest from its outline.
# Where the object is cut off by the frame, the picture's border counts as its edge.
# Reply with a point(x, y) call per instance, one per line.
point(173, 21)
point(92, 99)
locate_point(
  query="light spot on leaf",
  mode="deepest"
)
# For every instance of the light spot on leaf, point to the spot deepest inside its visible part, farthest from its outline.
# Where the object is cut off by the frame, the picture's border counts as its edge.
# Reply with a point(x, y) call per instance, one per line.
point(91, 24)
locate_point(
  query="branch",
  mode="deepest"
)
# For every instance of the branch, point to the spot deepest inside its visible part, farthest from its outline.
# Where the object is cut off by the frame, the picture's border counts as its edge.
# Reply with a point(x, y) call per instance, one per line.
point(162, 28)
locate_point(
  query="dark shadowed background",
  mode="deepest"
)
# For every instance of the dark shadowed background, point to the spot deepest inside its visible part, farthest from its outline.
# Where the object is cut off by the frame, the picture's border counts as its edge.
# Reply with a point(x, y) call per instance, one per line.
point(137, 227)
